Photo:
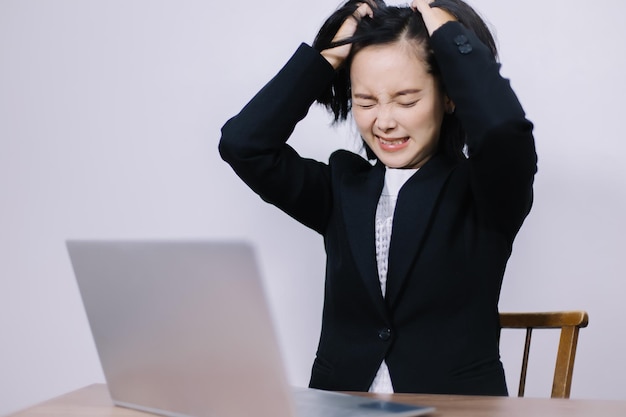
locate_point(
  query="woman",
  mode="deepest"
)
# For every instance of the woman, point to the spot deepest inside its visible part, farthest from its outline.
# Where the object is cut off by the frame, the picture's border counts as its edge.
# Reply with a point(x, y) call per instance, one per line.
point(417, 239)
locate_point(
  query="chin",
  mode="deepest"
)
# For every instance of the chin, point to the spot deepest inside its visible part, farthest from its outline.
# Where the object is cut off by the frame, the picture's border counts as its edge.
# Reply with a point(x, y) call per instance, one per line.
point(395, 164)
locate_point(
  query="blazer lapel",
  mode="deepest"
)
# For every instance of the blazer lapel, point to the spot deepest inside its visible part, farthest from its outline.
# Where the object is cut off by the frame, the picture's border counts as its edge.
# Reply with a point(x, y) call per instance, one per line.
point(414, 209)
point(360, 194)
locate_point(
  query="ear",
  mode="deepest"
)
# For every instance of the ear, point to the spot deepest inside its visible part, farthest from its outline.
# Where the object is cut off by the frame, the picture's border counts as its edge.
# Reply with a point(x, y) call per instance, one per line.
point(449, 105)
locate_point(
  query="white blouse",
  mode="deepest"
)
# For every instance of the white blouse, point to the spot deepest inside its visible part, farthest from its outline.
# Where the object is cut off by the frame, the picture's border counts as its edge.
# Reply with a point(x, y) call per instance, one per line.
point(394, 180)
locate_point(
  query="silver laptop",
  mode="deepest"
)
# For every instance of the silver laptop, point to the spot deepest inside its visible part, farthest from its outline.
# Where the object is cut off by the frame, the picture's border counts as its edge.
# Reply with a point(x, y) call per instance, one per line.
point(182, 328)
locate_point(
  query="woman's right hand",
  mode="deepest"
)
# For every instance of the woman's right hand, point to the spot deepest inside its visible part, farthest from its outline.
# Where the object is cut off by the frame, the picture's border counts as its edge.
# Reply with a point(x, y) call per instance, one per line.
point(337, 55)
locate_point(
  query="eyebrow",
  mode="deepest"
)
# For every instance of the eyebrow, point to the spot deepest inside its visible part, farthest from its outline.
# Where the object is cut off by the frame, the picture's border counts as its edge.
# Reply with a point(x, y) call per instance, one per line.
point(407, 92)
point(398, 94)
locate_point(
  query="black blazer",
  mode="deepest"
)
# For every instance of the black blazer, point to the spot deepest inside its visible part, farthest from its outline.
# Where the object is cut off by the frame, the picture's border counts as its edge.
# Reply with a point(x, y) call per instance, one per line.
point(454, 225)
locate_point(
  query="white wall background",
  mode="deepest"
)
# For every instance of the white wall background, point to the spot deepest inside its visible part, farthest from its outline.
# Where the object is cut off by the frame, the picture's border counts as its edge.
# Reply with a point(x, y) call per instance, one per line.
point(109, 121)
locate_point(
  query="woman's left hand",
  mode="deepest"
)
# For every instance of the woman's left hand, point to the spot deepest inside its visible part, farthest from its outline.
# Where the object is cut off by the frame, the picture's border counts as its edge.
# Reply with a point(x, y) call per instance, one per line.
point(434, 17)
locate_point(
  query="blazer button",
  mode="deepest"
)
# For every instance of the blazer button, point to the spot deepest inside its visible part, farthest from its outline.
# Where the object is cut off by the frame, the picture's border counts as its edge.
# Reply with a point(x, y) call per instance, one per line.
point(460, 40)
point(463, 44)
point(384, 334)
point(465, 49)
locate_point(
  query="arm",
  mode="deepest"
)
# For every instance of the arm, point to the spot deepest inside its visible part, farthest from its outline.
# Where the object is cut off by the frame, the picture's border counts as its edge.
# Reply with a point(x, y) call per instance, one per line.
point(254, 141)
point(500, 141)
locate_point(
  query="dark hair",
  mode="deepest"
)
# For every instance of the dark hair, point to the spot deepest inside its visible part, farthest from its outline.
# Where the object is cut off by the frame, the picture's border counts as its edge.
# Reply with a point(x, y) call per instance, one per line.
point(391, 24)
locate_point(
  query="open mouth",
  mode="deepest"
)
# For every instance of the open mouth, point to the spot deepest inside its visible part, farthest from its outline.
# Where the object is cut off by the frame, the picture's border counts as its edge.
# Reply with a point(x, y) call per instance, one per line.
point(392, 143)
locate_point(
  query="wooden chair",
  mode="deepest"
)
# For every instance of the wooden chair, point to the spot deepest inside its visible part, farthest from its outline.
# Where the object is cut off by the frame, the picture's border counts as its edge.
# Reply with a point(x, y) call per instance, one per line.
point(569, 322)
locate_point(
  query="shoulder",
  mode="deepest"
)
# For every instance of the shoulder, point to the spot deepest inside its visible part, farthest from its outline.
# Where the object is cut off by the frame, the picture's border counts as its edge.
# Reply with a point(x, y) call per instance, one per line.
point(343, 160)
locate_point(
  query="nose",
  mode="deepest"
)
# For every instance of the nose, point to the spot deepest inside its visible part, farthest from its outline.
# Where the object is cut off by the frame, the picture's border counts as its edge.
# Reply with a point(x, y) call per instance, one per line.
point(385, 120)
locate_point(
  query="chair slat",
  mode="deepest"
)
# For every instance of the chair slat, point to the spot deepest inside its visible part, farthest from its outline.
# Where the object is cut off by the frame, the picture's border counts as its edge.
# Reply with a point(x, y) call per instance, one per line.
point(569, 322)
point(545, 320)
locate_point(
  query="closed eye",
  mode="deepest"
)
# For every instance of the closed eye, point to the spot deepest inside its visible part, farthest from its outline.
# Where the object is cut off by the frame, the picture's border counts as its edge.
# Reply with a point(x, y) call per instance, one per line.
point(363, 101)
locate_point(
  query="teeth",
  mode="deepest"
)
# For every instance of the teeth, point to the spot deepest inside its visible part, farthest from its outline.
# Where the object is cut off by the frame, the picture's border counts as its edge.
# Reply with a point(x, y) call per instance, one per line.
point(392, 142)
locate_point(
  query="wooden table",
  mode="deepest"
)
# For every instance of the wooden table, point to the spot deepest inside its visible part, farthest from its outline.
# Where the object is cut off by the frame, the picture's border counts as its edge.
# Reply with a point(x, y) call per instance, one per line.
point(94, 401)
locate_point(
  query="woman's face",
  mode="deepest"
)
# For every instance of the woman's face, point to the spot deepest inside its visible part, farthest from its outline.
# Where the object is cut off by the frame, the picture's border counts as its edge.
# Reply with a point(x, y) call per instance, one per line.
point(397, 105)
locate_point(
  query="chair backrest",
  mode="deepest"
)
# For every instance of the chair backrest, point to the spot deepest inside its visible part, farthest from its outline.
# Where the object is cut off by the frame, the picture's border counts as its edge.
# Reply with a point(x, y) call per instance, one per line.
point(569, 322)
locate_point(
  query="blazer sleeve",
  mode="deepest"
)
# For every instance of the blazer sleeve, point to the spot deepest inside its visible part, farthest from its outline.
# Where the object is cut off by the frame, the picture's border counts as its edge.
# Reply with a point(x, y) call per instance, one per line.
point(254, 141)
point(502, 158)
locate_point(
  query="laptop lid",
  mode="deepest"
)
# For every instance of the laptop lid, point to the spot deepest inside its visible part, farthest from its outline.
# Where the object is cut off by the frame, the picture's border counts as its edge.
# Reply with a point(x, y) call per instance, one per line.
point(182, 328)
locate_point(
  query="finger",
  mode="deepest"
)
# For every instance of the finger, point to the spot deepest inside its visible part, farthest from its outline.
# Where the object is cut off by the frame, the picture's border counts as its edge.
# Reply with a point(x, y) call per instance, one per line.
point(363, 10)
point(420, 5)
point(434, 17)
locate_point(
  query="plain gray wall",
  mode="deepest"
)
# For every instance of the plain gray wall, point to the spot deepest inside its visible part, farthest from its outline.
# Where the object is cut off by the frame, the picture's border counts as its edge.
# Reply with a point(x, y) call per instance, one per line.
point(109, 121)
